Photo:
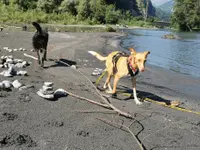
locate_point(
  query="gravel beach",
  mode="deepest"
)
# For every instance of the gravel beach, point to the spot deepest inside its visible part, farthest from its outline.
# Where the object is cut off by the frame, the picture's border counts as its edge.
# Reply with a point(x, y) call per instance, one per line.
point(31, 122)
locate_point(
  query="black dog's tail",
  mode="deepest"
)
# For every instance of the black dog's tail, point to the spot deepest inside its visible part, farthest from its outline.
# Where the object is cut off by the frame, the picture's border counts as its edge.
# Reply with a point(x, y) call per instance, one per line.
point(37, 26)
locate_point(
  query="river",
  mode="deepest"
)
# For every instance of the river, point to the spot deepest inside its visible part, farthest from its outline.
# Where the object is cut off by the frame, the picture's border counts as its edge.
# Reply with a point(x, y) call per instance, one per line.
point(181, 56)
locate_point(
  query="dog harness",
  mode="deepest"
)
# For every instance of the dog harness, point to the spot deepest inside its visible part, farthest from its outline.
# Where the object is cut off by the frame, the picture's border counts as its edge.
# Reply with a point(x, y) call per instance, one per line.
point(132, 71)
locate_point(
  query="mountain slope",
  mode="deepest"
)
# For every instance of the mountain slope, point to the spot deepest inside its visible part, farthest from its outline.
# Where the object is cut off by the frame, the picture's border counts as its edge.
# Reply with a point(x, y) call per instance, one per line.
point(167, 7)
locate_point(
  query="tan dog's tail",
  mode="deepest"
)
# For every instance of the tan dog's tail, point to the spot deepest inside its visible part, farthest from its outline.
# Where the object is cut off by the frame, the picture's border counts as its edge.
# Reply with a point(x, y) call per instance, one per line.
point(98, 56)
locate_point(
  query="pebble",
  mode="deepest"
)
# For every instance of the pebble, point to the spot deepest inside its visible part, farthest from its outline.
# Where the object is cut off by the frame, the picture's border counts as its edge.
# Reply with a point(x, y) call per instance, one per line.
point(16, 84)
point(18, 60)
point(73, 67)
point(20, 49)
point(22, 73)
point(19, 65)
point(7, 84)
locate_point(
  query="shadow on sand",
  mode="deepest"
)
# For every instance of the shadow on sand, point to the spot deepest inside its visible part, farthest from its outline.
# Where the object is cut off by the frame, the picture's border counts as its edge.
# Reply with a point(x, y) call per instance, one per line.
point(142, 95)
point(61, 63)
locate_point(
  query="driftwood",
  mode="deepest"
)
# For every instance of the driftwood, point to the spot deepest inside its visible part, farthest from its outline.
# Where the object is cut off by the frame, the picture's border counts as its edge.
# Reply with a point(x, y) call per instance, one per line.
point(127, 128)
point(103, 98)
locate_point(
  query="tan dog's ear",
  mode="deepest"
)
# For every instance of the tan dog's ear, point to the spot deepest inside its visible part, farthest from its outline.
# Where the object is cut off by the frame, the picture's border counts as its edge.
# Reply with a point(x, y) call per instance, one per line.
point(133, 51)
point(146, 53)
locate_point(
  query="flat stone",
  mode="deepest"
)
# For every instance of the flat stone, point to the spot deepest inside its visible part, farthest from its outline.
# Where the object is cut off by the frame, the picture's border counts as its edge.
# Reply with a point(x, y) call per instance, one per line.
point(26, 87)
point(48, 84)
point(16, 84)
point(46, 92)
point(47, 88)
point(50, 96)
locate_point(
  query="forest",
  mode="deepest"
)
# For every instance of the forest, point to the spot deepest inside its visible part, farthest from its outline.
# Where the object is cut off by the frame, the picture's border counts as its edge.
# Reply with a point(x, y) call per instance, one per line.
point(186, 15)
point(130, 12)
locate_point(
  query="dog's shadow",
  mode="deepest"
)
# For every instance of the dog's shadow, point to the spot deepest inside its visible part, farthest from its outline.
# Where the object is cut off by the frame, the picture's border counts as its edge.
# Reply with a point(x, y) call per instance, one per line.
point(61, 63)
point(142, 95)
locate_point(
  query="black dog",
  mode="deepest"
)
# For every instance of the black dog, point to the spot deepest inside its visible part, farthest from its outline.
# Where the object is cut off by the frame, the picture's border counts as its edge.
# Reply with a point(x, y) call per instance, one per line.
point(40, 41)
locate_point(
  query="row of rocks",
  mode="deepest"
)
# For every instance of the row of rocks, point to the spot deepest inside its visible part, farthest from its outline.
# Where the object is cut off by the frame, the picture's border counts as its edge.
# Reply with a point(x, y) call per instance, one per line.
point(12, 72)
point(13, 50)
point(8, 85)
point(8, 61)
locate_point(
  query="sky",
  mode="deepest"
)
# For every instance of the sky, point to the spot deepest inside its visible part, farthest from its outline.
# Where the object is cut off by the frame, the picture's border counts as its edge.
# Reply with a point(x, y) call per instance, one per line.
point(159, 2)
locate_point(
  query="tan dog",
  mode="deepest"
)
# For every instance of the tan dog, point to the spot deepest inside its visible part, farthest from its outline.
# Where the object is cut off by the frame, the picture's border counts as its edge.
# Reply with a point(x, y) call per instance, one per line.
point(125, 64)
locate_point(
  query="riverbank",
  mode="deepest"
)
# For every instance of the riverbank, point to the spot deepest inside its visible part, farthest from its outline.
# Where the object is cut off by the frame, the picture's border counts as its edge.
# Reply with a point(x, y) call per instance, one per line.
point(73, 28)
point(62, 124)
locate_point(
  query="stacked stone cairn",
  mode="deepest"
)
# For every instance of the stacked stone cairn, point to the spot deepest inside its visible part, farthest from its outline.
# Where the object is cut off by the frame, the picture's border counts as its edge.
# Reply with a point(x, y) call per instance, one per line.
point(46, 91)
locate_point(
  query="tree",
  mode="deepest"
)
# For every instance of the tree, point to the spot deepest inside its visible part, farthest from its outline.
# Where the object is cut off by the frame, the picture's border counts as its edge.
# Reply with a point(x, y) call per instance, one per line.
point(48, 6)
point(186, 14)
point(69, 6)
point(112, 15)
point(98, 9)
point(84, 9)
point(26, 4)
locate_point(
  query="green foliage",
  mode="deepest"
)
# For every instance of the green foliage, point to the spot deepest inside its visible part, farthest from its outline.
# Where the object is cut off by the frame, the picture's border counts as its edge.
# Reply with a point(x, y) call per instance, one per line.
point(84, 10)
point(69, 6)
point(26, 4)
point(48, 6)
point(98, 9)
point(109, 29)
point(112, 15)
point(70, 12)
point(186, 15)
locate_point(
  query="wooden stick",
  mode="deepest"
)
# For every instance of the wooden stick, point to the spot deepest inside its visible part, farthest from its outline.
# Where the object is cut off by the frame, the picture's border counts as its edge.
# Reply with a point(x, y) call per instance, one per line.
point(86, 99)
point(27, 55)
point(127, 128)
point(105, 100)
point(95, 111)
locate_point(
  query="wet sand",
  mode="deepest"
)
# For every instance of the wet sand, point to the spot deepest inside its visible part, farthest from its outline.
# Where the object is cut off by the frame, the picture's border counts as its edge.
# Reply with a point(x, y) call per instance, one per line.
point(31, 122)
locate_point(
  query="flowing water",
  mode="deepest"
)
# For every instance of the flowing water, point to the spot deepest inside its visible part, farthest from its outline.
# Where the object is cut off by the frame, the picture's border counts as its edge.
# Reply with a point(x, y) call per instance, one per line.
point(181, 55)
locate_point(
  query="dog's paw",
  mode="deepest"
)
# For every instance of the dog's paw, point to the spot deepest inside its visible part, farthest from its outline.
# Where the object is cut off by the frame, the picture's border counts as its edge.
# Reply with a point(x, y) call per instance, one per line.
point(138, 102)
point(114, 95)
point(108, 91)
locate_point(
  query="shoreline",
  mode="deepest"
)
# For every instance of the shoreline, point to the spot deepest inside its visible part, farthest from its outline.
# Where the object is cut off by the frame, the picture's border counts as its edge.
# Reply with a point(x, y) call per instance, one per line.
point(62, 123)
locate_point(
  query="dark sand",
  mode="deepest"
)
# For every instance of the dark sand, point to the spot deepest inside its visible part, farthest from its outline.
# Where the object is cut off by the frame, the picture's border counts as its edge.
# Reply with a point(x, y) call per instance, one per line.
point(30, 122)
